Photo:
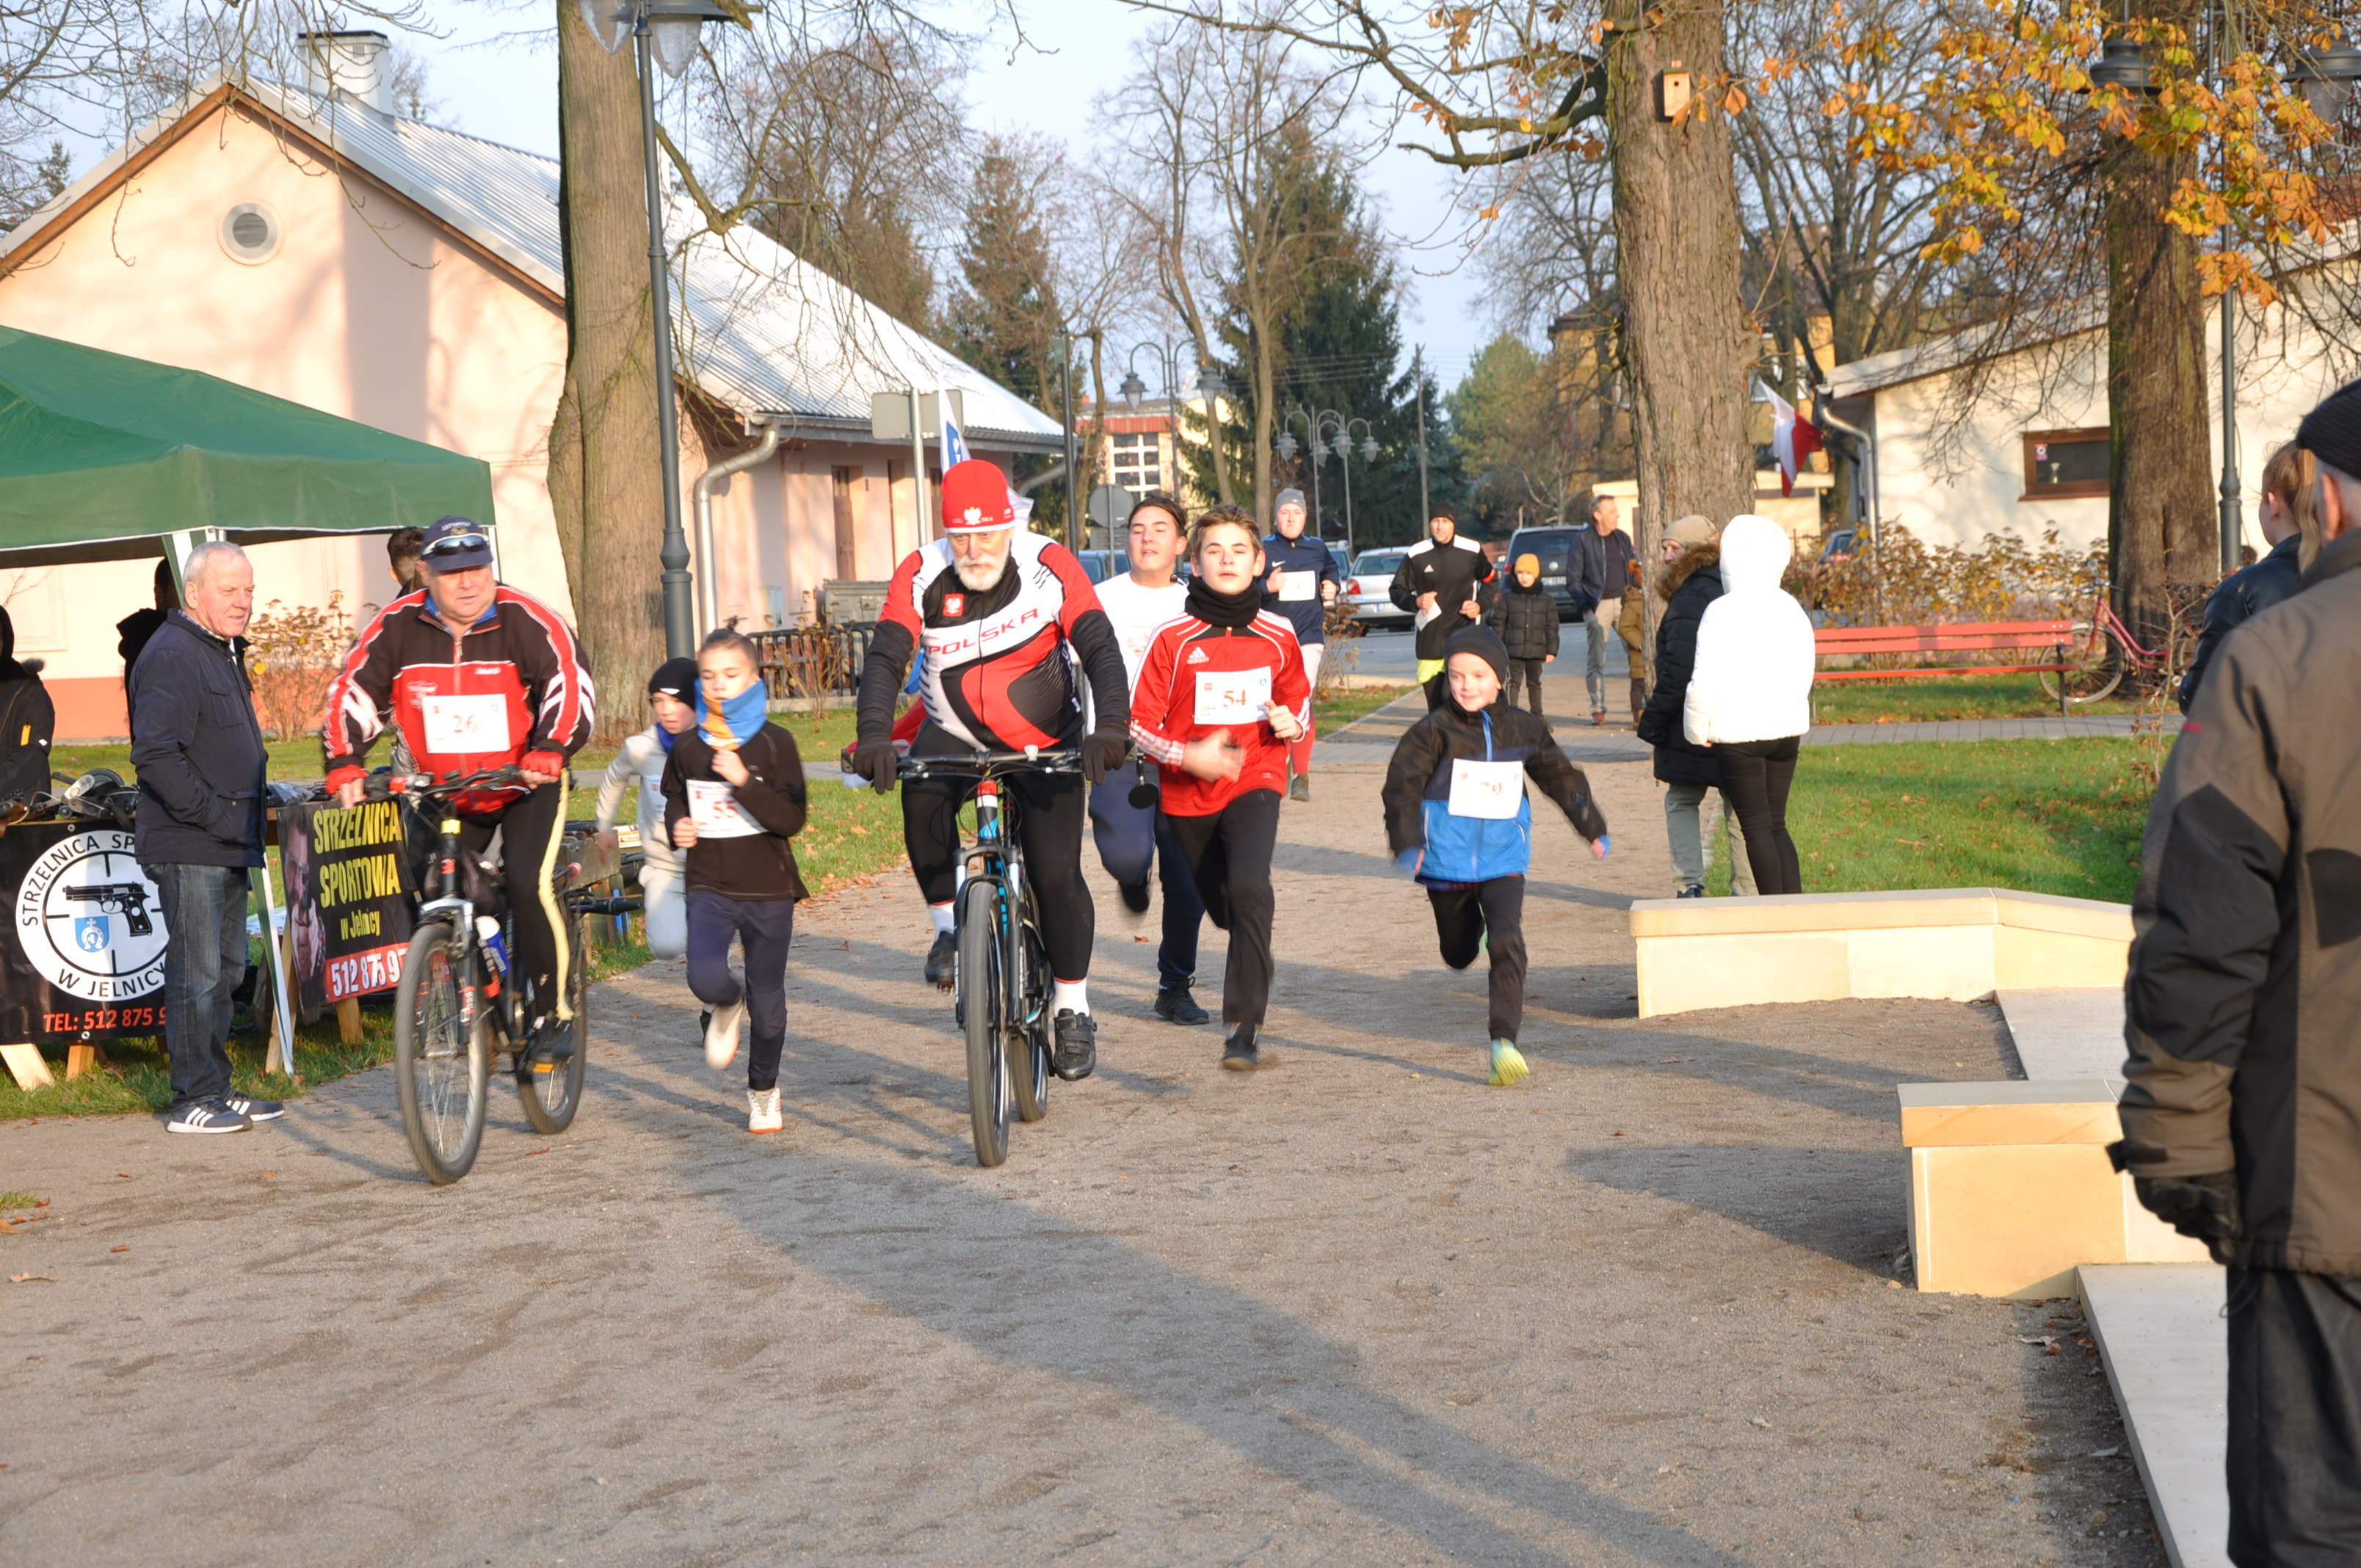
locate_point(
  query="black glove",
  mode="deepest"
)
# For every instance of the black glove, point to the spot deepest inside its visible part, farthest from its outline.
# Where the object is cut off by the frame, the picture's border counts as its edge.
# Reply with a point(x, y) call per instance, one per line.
point(877, 762)
point(2202, 1208)
point(1103, 755)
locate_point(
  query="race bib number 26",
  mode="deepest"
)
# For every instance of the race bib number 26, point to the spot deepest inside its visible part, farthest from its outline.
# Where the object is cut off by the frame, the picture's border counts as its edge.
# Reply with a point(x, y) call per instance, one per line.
point(466, 725)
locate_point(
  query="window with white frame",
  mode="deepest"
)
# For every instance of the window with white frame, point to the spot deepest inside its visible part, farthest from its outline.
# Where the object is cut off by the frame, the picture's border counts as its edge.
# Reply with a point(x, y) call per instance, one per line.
point(1136, 458)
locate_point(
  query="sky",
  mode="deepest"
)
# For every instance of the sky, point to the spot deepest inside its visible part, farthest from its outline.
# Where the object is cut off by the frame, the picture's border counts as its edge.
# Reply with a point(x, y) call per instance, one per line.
point(491, 78)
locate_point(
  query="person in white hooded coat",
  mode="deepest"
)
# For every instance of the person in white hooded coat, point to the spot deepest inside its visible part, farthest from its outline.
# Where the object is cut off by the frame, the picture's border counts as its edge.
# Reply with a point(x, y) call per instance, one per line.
point(1749, 694)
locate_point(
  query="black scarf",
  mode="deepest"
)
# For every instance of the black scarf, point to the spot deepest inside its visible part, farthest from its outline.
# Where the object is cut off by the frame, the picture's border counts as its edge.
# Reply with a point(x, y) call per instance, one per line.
point(1233, 611)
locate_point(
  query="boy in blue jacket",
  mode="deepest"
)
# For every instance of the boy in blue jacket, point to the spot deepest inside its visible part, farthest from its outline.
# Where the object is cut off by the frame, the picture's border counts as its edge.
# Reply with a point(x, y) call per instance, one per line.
point(1458, 822)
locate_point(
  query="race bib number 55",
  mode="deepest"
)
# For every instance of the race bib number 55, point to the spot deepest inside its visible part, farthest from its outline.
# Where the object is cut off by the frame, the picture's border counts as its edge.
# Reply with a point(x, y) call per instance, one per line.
point(1233, 696)
point(462, 726)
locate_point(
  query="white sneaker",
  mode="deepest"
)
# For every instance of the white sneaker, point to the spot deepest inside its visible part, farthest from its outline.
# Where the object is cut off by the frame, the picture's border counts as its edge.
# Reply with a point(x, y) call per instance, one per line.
point(762, 1111)
point(721, 1035)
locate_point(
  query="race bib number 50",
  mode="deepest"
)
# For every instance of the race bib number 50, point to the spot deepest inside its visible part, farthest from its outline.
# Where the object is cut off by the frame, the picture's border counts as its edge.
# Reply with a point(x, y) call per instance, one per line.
point(462, 726)
point(1233, 696)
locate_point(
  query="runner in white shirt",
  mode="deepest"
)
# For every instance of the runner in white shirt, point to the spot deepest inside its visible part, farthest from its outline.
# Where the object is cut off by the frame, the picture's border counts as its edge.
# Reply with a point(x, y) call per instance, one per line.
point(1133, 837)
point(672, 699)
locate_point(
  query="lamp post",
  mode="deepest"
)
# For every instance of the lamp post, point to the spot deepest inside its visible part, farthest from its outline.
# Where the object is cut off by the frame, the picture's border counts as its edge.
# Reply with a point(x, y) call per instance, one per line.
point(664, 33)
point(1166, 355)
point(1288, 449)
point(1342, 447)
point(1073, 445)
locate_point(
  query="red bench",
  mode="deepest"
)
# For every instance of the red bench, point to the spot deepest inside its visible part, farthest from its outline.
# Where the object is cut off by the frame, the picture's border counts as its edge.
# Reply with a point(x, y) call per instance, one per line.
point(2052, 637)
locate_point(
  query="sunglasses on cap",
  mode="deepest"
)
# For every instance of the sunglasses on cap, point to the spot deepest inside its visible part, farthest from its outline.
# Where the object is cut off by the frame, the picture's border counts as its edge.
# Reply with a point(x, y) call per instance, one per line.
point(456, 545)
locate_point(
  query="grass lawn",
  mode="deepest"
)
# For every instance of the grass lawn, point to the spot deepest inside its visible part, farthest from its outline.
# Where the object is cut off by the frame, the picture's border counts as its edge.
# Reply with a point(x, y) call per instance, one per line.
point(1342, 705)
point(1932, 698)
point(2061, 817)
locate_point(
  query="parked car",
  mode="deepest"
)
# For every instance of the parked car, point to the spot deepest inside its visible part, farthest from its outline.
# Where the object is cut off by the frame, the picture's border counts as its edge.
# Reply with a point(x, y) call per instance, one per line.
point(1555, 546)
point(1839, 544)
point(1368, 587)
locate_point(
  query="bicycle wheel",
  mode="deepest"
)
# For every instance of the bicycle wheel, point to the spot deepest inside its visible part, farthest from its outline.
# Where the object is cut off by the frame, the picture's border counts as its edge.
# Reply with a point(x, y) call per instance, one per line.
point(2094, 666)
point(980, 1010)
point(1028, 1048)
point(441, 1068)
point(552, 1091)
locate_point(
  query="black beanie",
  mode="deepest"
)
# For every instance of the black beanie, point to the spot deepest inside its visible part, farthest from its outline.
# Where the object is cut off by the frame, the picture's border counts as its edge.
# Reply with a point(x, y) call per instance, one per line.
point(675, 679)
point(1485, 643)
point(2332, 432)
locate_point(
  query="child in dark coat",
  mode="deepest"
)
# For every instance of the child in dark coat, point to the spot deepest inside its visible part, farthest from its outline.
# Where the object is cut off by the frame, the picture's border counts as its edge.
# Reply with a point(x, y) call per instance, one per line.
point(1458, 822)
point(1526, 618)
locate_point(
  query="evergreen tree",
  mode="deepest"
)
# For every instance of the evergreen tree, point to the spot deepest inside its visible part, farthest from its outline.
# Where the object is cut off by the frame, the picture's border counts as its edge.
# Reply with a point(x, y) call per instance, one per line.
point(1506, 415)
point(1003, 316)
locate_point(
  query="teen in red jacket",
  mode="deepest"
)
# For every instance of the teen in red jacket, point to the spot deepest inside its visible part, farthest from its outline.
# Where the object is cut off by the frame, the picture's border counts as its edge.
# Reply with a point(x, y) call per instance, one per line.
point(1221, 693)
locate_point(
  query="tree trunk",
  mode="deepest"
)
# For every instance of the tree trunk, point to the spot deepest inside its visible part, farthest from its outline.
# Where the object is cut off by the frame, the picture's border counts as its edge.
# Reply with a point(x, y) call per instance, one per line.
point(606, 475)
point(1687, 341)
point(2161, 527)
point(1266, 388)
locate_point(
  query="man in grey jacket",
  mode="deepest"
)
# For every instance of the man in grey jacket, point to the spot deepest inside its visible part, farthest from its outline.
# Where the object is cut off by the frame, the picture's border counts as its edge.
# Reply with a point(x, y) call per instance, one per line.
point(2242, 1116)
point(199, 752)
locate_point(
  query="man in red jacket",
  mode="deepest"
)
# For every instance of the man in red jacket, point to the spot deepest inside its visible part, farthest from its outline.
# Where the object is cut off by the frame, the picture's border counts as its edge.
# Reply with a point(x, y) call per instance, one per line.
point(477, 675)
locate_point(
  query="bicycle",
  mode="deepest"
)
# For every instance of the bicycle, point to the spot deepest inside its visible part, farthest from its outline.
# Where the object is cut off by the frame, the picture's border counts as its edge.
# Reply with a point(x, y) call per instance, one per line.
point(2097, 653)
point(1001, 984)
point(454, 992)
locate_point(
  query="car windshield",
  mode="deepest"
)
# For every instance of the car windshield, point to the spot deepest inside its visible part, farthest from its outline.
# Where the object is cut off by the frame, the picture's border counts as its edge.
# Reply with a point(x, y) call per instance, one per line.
point(1376, 563)
point(1095, 564)
point(1554, 545)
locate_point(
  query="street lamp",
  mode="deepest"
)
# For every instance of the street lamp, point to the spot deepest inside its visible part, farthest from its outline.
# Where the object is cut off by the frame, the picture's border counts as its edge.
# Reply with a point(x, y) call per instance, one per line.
point(1342, 447)
point(667, 29)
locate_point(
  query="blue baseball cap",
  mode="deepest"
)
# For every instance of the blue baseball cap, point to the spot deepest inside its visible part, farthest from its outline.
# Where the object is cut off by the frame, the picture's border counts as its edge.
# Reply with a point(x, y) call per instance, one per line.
point(454, 544)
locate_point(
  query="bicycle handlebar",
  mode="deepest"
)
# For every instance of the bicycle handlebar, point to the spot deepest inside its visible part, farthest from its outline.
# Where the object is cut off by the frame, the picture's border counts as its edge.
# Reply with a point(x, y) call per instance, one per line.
point(974, 764)
point(390, 786)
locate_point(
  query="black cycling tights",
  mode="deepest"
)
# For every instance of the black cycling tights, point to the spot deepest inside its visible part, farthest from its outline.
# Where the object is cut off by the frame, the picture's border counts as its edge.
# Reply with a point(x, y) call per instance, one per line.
point(1050, 816)
point(529, 831)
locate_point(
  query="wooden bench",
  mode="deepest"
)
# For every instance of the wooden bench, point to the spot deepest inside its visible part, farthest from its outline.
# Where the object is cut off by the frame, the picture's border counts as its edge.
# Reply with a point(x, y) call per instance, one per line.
point(1948, 637)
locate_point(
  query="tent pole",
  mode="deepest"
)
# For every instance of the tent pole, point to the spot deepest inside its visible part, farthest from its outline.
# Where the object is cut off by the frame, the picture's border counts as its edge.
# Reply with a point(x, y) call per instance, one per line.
point(282, 1026)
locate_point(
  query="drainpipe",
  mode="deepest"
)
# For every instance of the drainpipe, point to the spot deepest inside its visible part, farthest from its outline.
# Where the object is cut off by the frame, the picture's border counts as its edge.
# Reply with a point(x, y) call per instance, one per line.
point(708, 604)
point(1053, 473)
point(1826, 416)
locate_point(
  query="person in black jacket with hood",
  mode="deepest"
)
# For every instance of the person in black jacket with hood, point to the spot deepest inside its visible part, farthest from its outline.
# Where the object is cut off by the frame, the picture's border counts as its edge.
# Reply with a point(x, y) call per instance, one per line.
point(2290, 518)
point(27, 720)
point(1690, 581)
point(1445, 583)
point(1525, 614)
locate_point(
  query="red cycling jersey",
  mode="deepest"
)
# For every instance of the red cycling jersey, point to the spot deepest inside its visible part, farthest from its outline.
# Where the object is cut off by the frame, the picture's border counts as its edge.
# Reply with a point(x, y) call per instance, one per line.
point(1198, 678)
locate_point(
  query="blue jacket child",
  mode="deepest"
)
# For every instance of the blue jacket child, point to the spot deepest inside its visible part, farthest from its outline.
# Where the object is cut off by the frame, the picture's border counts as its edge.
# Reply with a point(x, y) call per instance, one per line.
point(1458, 820)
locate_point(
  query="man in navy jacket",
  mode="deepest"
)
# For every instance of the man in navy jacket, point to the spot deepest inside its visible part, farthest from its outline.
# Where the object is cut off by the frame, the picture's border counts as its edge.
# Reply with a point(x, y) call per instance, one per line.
point(1303, 583)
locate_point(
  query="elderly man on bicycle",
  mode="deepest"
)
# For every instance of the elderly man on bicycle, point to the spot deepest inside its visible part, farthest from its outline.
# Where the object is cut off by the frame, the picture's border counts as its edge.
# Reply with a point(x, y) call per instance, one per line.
point(477, 675)
point(998, 618)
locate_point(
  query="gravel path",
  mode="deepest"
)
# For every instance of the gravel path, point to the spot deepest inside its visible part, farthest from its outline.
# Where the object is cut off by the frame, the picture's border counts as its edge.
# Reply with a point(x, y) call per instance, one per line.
point(1358, 1309)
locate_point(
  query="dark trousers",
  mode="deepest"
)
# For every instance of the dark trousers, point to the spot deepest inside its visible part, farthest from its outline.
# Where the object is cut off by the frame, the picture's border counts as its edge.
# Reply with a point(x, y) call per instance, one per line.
point(1049, 828)
point(205, 959)
point(1466, 916)
point(1529, 671)
point(1132, 838)
point(2295, 1420)
point(1228, 856)
point(767, 926)
point(1754, 779)
point(530, 831)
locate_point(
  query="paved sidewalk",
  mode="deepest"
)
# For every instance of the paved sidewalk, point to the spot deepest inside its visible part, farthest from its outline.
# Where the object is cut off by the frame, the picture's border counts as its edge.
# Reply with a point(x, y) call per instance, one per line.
point(1359, 1308)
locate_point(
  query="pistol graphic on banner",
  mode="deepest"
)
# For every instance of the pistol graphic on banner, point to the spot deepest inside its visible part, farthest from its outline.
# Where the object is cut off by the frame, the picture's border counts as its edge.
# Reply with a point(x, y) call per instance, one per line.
point(128, 899)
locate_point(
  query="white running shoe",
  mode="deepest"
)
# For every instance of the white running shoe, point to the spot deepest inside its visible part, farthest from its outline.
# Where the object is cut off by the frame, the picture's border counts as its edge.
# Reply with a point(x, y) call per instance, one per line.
point(721, 1035)
point(762, 1111)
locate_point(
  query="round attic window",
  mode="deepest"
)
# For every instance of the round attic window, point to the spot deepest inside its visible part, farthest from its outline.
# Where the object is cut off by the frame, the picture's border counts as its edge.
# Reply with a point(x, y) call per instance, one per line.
point(250, 232)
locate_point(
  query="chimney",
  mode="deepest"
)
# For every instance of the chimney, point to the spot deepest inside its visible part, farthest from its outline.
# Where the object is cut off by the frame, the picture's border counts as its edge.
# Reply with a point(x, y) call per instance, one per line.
point(350, 64)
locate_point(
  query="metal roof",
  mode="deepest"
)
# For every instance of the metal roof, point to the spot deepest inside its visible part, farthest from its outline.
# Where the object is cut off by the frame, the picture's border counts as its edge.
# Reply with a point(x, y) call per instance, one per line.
point(757, 329)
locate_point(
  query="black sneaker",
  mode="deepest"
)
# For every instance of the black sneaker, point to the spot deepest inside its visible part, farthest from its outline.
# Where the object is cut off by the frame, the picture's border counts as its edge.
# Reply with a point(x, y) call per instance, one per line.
point(1694, 890)
point(1135, 896)
point(552, 1042)
point(942, 959)
point(1240, 1053)
point(206, 1116)
point(254, 1110)
point(1177, 1006)
point(1076, 1053)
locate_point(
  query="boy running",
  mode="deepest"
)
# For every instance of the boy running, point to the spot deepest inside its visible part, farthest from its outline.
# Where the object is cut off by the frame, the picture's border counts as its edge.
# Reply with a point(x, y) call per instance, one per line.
point(1458, 822)
point(672, 700)
point(1221, 693)
point(733, 797)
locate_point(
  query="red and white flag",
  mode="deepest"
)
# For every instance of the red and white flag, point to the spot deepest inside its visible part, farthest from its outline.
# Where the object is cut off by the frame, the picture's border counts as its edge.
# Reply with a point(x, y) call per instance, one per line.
point(1793, 438)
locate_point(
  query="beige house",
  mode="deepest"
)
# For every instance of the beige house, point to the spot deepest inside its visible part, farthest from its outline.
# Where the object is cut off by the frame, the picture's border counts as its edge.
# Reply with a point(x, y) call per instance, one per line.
point(310, 244)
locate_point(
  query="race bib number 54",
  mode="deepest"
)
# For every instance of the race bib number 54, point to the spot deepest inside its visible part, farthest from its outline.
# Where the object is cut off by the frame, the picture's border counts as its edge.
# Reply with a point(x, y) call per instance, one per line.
point(464, 725)
point(1233, 696)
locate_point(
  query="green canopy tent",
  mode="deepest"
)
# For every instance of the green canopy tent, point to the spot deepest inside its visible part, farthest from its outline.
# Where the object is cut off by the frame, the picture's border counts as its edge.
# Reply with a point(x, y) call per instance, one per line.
point(103, 456)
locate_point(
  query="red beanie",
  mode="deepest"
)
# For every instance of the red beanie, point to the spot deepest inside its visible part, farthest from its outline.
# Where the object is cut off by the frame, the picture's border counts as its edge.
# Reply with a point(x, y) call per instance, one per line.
point(975, 498)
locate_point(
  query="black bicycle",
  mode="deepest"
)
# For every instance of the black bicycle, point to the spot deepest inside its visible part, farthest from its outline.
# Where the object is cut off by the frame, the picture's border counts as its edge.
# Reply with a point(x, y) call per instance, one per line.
point(459, 1002)
point(1002, 985)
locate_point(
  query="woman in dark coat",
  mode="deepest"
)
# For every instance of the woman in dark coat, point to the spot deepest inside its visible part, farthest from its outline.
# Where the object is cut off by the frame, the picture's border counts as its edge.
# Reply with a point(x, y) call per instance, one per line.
point(27, 720)
point(1525, 614)
point(1690, 581)
point(2290, 521)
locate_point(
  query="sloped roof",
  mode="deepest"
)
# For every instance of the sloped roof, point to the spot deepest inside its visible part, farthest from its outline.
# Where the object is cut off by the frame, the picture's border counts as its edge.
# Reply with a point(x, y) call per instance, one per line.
point(756, 328)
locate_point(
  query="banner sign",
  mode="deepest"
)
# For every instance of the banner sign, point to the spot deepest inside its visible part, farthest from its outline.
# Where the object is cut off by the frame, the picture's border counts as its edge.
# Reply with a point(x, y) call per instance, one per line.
point(348, 898)
point(88, 957)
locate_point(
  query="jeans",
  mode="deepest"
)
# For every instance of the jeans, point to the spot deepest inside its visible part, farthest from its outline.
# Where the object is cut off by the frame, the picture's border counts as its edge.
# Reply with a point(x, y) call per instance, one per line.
point(1682, 828)
point(1491, 913)
point(1754, 779)
point(1599, 628)
point(1130, 838)
point(1528, 671)
point(1229, 858)
point(205, 959)
point(2295, 1419)
point(767, 926)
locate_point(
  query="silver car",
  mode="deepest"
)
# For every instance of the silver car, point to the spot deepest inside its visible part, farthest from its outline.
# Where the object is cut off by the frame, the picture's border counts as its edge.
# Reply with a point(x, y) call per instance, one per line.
point(1367, 588)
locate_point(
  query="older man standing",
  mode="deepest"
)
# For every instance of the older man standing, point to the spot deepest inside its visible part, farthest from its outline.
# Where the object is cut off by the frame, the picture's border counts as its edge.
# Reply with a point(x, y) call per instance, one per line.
point(198, 750)
point(1607, 568)
point(2241, 1115)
